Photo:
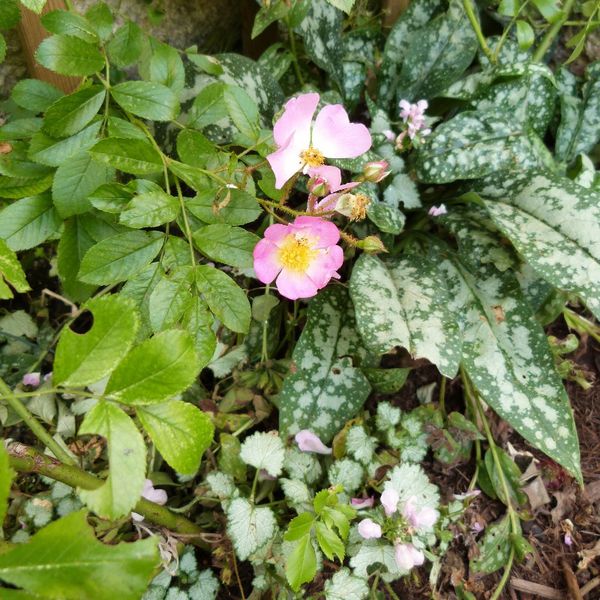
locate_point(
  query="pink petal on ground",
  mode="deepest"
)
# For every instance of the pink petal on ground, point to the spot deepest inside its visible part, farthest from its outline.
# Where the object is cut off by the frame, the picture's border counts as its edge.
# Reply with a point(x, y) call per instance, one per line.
point(336, 137)
point(285, 162)
point(324, 267)
point(325, 233)
point(296, 120)
point(332, 175)
point(310, 442)
point(294, 285)
point(32, 379)
point(266, 261)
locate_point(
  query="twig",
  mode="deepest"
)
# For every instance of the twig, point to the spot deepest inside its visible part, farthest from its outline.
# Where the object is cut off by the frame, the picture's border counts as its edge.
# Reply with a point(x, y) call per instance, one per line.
point(571, 581)
point(536, 589)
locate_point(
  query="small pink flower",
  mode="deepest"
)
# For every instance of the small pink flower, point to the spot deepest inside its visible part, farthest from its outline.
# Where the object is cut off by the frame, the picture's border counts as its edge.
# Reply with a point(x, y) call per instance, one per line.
point(389, 500)
point(407, 556)
point(438, 211)
point(32, 379)
point(414, 117)
point(369, 530)
point(424, 518)
point(302, 144)
point(477, 527)
point(390, 136)
point(302, 256)
point(309, 442)
point(360, 503)
point(376, 171)
point(568, 540)
point(152, 494)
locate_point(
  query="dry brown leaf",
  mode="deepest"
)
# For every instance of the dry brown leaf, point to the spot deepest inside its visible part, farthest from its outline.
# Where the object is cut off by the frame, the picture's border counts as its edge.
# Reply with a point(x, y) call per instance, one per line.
point(588, 555)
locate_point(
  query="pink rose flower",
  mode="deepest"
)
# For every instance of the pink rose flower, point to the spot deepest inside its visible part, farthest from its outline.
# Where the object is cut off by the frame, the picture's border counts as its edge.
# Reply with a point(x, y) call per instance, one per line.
point(407, 556)
point(32, 379)
point(389, 501)
point(302, 144)
point(152, 494)
point(423, 518)
point(369, 530)
point(302, 256)
point(309, 442)
point(360, 503)
point(332, 177)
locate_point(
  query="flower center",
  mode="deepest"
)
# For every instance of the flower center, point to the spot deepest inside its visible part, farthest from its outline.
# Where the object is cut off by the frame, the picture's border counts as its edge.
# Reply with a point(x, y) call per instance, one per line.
point(312, 157)
point(296, 253)
point(359, 209)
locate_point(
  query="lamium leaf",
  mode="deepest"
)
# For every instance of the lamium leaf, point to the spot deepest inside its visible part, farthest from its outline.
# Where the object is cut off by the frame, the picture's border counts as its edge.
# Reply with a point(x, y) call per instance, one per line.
point(85, 358)
point(155, 370)
point(326, 389)
point(64, 560)
point(402, 302)
point(345, 586)
point(180, 431)
point(126, 458)
point(264, 450)
point(554, 224)
point(249, 527)
point(69, 55)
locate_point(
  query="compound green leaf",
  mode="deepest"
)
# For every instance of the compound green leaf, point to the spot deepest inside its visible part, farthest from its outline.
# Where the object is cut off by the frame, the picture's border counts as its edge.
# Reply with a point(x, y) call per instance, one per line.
point(85, 358)
point(133, 156)
point(301, 564)
point(326, 389)
point(171, 298)
point(10, 272)
point(52, 152)
point(180, 431)
point(69, 55)
point(35, 95)
point(228, 205)
point(69, 23)
point(403, 302)
point(166, 68)
point(126, 457)
point(126, 45)
point(64, 560)
point(120, 256)
point(199, 321)
point(150, 210)
point(226, 244)
point(146, 99)
point(155, 370)
point(70, 114)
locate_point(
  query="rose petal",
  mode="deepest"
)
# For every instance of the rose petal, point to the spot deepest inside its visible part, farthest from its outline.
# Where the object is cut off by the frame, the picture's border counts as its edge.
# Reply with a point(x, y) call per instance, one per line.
point(296, 120)
point(285, 162)
point(332, 175)
point(309, 442)
point(324, 232)
point(323, 268)
point(294, 285)
point(336, 137)
point(266, 261)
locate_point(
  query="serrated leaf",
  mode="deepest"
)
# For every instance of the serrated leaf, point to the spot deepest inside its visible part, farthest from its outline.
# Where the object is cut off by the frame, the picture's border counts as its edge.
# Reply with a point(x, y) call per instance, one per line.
point(301, 564)
point(100, 16)
point(155, 370)
point(326, 389)
point(554, 224)
point(376, 552)
point(329, 542)
point(225, 298)
point(438, 55)
point(35, 95)
point(69, 55)
point(403, 302)
point(411, 480)
point(120, 256)
point(126, 457)
point(150, 210)
point(299, 526)
point(55, 152)
point(198, 320)
point(194, 148)
point(345, 586)
point(170, 299)
point(264, 450)
point(11, 272)
point(75, 180)
point(229, 205)
point(128, 155)
point(146, 99)
point(166, 68)
point(70, 114)
point(65, 560)
point(249, 527)
point(28, 222)
point(180, 431)
point(243, 111)
point(69, 23)
point(85, 358)
point(35, 5)
point(126, 45)
point(472, 145)
point(226, 244)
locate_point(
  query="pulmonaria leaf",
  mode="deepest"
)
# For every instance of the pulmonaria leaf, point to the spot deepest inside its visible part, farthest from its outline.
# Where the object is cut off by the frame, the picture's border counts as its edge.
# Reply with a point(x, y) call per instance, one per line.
point(249, 527)
point(403, 302)
point(126, 457)
point(264, 450)
point(494, 548)
point(65, 560)
point(325, 389)
point(554, 224)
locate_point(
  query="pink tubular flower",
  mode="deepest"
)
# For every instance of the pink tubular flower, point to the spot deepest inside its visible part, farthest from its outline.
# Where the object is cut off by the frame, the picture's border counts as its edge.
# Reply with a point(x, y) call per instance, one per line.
point(302, 256)
point(407, 556)
point(424, 518)
point(369, 530)
point(32, 379)
point(309, 442)
point(414, 116)
point(154, 495)
point(389, 500)
point(359, 503)
point(302, 144)
point(438, 211)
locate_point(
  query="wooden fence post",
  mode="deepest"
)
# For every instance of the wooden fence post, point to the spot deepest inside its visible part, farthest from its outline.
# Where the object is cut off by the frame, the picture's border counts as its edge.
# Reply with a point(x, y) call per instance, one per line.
point(32, 32)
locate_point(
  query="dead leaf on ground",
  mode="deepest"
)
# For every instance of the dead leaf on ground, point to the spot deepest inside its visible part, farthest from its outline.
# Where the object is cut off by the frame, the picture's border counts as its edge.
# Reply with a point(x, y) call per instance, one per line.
point(588, 555)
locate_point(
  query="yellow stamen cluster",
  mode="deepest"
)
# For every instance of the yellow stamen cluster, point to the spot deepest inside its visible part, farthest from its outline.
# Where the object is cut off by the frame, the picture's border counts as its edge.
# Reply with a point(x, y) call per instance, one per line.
point(312, 157)
point(358, 209)
point(296, 253)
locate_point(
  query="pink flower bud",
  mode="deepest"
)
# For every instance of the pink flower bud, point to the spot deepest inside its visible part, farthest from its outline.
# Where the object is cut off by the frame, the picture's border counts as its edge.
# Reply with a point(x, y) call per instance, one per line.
point(438, 211)
point(308, 442)
point(369, 530)
point(389, 501)
point(376, 171)
point(32, 379)
point(359, 503)
point(371, 244)
point(318, 186)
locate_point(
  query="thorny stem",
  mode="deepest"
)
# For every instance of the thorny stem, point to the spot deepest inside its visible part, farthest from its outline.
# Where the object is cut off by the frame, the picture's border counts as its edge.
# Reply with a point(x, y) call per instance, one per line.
point(36, 427)
point(27, 460)
point(553, 31)
point(469, 9)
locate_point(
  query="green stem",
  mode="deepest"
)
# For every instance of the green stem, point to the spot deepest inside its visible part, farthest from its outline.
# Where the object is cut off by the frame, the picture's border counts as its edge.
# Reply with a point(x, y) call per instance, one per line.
point(254, 484)
point(505, 576)
point(264, 354)
point(442, 397)
point(294, 51)
point(507, 30)
point(186, 223)
point(27, 460)
point(391, 592)
point(553, 31)
point(470, 10)
point(36, 427)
